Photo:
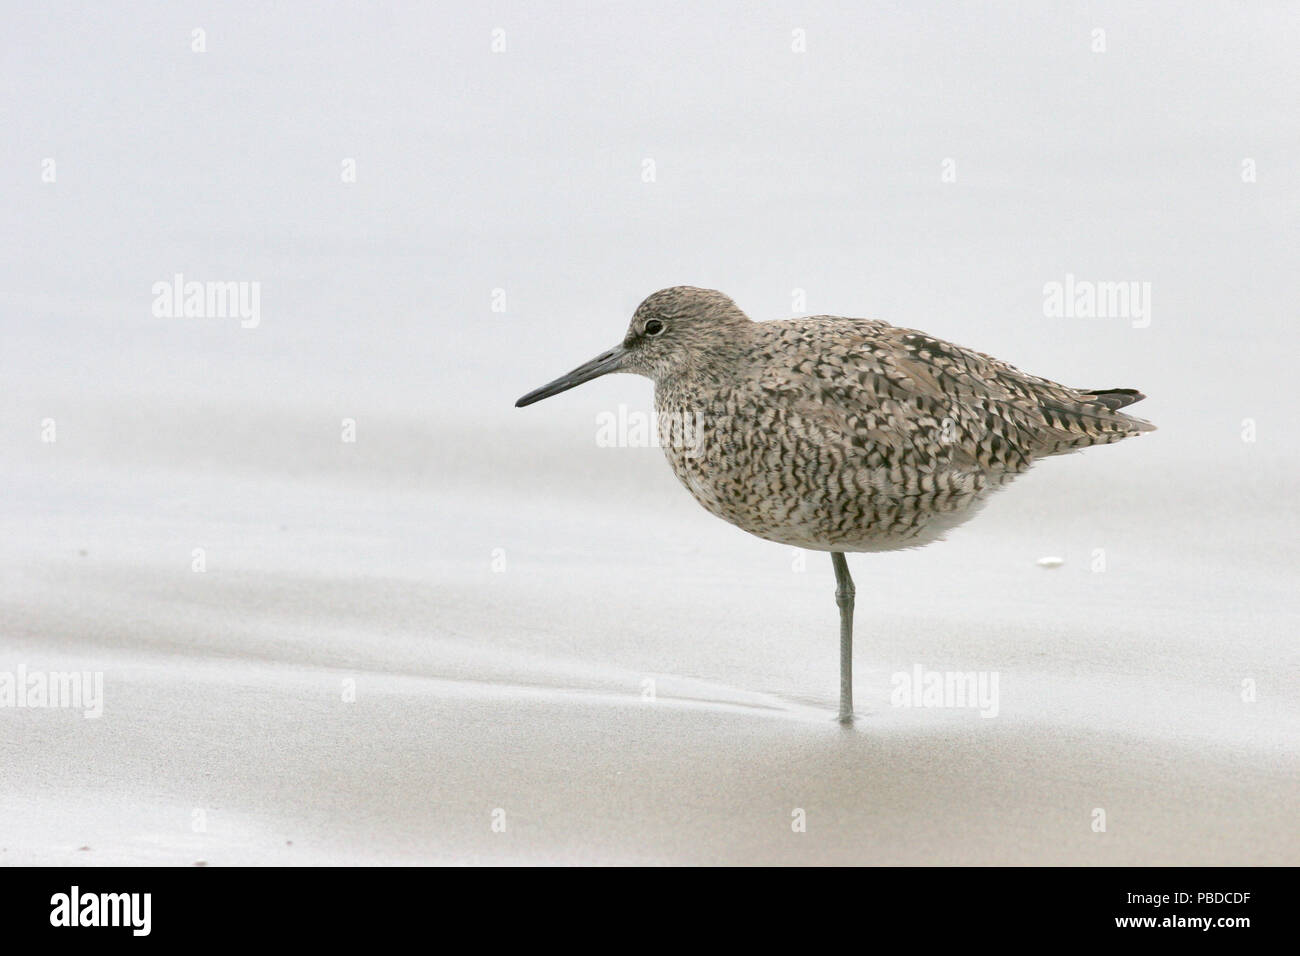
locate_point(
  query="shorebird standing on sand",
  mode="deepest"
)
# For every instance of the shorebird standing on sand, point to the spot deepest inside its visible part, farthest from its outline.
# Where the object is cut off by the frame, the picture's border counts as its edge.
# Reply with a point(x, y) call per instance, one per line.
point(838, 435)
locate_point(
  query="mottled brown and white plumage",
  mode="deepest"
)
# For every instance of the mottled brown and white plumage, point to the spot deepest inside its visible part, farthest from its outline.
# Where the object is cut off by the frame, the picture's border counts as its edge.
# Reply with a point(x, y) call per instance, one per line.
point(838, 434)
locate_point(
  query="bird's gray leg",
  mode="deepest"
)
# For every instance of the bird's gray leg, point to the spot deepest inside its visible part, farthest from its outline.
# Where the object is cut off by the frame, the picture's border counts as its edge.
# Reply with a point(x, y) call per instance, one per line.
point(844, 592)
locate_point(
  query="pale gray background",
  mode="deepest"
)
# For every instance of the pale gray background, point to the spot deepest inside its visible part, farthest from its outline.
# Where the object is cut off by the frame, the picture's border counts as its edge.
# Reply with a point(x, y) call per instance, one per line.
point(522, 170)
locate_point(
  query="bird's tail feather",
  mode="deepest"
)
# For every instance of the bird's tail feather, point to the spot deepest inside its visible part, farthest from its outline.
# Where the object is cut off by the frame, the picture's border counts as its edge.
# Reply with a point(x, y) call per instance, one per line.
point(1091, 418)
point(1112, 398)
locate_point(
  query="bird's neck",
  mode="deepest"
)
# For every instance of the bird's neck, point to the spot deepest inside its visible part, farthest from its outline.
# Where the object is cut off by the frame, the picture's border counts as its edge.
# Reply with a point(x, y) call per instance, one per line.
point(705, 371)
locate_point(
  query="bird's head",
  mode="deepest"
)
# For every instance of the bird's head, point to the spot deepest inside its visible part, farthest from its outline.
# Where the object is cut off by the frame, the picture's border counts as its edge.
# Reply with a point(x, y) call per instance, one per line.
point(672, 331)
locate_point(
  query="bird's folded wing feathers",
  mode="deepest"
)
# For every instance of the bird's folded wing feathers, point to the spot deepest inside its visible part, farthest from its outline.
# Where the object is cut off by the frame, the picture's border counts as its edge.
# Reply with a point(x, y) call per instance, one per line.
point(900, 386)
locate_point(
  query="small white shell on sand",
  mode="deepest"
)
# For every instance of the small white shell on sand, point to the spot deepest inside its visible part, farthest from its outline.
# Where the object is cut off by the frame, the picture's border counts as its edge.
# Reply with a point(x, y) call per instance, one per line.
point(1050, 562)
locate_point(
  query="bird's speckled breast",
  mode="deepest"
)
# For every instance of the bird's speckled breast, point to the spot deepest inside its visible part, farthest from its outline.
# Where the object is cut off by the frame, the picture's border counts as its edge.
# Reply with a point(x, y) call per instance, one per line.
point(754, 461)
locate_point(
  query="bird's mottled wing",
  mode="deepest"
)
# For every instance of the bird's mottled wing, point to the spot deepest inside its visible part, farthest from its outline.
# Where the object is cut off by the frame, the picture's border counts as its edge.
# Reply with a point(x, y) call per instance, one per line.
point(920, 402)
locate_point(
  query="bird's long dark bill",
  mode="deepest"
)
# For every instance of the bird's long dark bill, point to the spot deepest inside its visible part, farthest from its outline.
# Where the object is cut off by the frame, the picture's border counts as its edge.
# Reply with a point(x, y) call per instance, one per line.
point(602, 364)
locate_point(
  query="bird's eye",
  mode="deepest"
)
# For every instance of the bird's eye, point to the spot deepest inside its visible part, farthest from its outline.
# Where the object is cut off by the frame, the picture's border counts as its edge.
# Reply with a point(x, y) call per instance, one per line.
point(654, 327)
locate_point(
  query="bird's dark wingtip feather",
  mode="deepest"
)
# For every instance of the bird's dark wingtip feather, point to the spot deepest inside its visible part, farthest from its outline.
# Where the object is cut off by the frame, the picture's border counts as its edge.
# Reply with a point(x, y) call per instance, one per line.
point(1114, 398)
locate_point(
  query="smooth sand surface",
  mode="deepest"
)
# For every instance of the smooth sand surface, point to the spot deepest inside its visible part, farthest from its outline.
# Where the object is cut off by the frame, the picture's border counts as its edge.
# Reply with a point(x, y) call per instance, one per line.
point(628, 679)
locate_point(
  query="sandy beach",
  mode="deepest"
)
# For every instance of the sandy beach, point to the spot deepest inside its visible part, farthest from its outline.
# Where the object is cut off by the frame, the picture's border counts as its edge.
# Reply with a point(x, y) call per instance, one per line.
point(348, 605)
point(632, 684)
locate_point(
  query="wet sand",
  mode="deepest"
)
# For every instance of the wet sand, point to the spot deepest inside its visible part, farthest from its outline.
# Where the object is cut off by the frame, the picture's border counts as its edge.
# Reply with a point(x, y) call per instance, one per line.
point(627, 679)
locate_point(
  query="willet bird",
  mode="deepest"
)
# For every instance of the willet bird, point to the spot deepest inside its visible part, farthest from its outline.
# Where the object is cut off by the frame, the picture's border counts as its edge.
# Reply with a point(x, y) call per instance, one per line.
point(838, 435)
